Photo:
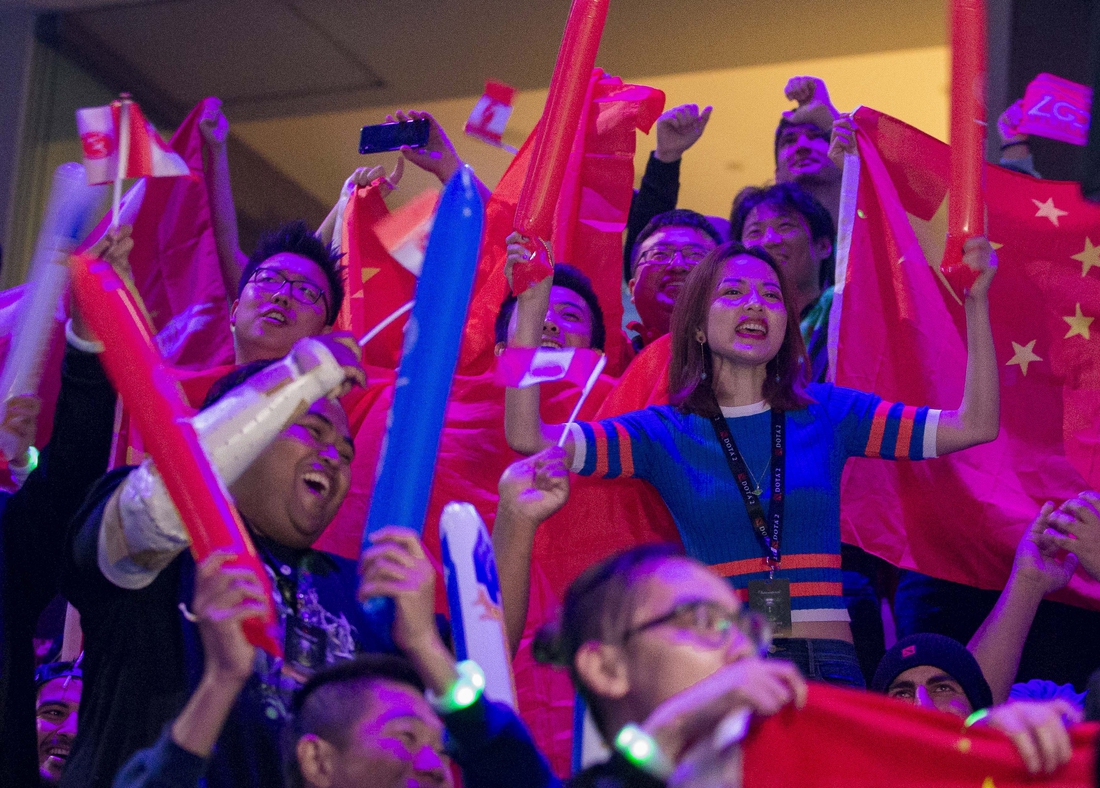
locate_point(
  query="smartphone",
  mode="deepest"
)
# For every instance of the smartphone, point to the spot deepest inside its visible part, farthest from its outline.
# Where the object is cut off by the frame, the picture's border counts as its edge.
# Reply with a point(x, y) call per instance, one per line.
point(394, 136)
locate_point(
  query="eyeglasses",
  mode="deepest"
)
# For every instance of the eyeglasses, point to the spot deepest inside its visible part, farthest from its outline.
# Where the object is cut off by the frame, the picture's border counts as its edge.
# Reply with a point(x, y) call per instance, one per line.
point(664, 255)
point(712, 624)
point(271, 280)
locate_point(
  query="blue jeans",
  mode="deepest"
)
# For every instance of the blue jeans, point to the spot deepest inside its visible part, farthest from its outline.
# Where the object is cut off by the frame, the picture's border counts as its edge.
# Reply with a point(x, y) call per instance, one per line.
point(820, 659)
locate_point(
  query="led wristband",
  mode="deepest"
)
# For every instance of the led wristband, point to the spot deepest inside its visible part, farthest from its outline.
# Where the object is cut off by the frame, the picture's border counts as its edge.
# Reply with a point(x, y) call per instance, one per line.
point(463, 693)
point(642, 750)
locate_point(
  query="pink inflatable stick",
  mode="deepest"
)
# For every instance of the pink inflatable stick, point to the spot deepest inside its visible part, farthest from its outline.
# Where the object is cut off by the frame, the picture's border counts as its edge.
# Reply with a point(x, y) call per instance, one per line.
point(568, 87)
point(966, 201)
point(151, 392)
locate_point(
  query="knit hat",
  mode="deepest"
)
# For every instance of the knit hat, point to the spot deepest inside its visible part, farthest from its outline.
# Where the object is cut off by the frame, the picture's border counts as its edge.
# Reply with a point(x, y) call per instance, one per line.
point(941, 652)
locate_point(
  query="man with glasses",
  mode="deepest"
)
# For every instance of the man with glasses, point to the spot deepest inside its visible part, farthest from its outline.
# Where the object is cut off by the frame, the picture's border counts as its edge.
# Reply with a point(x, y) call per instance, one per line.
point(663, 255)
point(290, 288)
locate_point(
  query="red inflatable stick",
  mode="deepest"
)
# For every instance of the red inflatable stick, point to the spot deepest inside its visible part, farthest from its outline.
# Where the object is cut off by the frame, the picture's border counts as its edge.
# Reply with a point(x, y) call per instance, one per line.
point(152, 395)
point(966, 203)
point(568, 87)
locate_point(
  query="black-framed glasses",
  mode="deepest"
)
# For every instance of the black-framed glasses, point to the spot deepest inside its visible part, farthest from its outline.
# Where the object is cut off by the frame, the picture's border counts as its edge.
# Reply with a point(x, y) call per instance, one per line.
point(272, 280)
point(712, 624)
point(665, 255)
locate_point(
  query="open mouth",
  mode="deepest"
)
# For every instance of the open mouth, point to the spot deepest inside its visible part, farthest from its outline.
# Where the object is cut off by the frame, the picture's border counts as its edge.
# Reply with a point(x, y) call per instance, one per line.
point(276, 316)
point(58, 751)
point(752, 329)
point(551, 342)
point(317, 483)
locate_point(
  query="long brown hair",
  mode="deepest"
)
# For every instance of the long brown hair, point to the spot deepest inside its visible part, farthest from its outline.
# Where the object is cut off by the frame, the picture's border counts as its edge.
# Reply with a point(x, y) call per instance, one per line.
point(689, 390)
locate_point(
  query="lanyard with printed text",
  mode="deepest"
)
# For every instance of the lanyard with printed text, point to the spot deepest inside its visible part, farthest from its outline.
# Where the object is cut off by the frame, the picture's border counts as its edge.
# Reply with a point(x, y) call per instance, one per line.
point(768, 528)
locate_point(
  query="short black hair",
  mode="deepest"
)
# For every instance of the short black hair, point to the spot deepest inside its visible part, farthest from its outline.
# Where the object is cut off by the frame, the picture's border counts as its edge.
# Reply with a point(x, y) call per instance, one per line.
point(785, 124)
point(788, 197)
point(333, 699)
point(572, 278)
point(680, 217)
point(295, 237)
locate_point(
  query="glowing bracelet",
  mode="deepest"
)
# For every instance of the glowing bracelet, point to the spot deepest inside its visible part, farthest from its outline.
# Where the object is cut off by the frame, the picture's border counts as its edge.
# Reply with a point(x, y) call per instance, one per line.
point(640, 749)
point(463, 693)
point(30, 462)
point(976, 717)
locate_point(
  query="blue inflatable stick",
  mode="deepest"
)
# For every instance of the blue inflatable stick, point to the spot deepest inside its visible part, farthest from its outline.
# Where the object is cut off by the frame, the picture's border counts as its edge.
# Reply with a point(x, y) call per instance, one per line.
point(432, 339)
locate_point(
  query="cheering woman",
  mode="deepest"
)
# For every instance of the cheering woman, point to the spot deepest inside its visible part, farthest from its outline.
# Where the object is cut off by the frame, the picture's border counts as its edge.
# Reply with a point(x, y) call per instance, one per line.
point(749, 455)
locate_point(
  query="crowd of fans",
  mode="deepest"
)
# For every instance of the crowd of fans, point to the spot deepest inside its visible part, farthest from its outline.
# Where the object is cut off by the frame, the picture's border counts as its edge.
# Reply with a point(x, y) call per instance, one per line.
point(658, 640)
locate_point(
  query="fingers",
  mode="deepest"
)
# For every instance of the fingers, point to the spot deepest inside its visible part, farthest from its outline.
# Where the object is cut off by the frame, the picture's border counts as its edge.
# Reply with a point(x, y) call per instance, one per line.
point(394, 177)
point(1039, 524)
point(405, 538)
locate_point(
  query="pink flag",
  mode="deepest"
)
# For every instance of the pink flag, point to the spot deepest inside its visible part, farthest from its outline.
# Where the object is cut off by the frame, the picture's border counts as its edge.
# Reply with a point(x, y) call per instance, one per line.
point(521, 367)
point(1057, 108)
point(100, 133)
point(491, 114)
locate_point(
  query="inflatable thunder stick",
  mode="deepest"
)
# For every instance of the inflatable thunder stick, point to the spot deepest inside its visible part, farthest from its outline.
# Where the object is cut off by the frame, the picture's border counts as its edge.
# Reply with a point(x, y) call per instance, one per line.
point(473, 597)
point(71, 205)
point(966, 200)
point(568, 87)
point(432, 338)
point(152, 394)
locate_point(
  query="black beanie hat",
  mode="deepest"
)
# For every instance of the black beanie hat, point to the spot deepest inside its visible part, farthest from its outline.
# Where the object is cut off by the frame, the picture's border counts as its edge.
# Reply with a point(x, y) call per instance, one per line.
point(941, 652)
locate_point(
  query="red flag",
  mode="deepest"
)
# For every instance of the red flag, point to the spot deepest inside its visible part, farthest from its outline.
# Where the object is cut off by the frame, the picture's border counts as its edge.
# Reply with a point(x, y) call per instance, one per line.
point(898, 331)
point(377, 283)
point(864, 740)
point(100, 135)
point(175, 262)
point(490, 114)
point(520, 367)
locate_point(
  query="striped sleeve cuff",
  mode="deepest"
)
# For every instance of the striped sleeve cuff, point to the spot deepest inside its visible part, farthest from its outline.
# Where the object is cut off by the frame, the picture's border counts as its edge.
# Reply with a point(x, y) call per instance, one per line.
point(902, 432)
point(931, 424)
point(580, 447)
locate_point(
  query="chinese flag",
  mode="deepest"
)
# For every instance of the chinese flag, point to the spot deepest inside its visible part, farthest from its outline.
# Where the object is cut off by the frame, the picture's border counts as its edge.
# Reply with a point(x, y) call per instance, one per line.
point(899, 331)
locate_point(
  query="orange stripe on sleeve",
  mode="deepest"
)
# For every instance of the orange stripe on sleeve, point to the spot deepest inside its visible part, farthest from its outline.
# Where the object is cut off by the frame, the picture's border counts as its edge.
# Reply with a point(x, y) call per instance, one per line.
point(905, 432)
point(626, 451)
point(878, 429)
point(601, 450)
point(799, 561)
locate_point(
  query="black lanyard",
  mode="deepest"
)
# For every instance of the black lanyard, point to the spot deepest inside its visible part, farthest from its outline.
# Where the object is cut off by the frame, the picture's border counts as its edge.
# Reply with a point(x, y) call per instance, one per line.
point(769, 536)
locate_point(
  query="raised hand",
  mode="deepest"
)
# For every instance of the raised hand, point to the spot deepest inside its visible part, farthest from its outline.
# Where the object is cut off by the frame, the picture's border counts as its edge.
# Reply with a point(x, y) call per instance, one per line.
point(814, 104)
point(365, 176)
point(115, 248)
point(1077, 522)
point(978, 254)
point(224, 597)
point(437, 157)
point(534, 488)
point(678, 129)
point(213, 125)
point(396, 566)
point(842, 141)
point(1008, 124)
point(1039, 559)
point(342, 345)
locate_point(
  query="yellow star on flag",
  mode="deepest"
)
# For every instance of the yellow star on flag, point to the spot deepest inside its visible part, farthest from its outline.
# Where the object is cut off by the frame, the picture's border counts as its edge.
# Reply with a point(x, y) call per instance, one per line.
point(988, 783)
point(1078, 324)
point(1048, 210)
point(1024, 355)
point(1089, 258)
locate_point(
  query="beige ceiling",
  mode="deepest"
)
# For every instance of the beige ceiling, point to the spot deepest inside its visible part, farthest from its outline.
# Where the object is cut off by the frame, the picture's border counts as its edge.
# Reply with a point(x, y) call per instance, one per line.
point(271, 59)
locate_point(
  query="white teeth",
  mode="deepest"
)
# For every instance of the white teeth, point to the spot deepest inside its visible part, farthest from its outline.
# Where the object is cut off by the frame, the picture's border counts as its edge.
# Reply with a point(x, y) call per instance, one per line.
point(275, 315)
point(552, 343)
point(317, 481)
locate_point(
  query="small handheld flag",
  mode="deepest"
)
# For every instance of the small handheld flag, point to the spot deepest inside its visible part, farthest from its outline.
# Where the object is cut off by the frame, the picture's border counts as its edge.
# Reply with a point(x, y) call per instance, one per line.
point(520, 367)
point(491, 113)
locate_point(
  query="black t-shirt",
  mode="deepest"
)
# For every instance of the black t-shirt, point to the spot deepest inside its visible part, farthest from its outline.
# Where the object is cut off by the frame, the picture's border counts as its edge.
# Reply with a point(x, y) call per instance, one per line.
point(143, 658)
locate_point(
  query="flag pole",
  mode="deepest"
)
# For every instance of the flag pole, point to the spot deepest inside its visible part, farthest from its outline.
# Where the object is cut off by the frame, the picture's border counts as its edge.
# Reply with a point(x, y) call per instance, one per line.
point(584, 395)
point(378, 329)
point(123, 157)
